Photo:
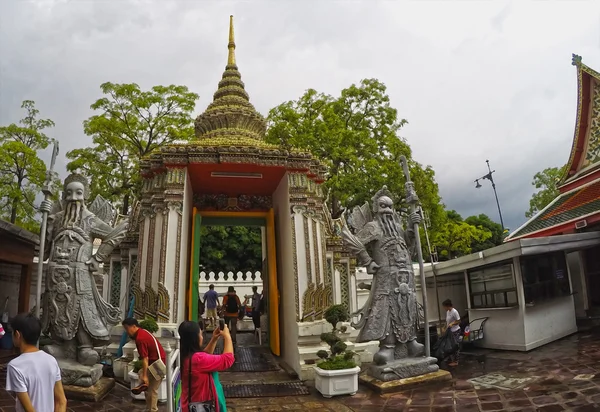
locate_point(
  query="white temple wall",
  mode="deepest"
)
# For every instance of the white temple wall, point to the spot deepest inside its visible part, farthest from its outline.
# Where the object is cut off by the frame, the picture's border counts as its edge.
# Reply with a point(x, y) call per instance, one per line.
point(143, 264)
point(158, 228)
point(243, 282)
point(285, 274)
point(302, 260)
point(178, 295)
point(174, 216)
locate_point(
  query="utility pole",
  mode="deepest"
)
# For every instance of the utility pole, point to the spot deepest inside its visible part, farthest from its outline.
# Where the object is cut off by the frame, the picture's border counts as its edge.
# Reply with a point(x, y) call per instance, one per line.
point(489, 176)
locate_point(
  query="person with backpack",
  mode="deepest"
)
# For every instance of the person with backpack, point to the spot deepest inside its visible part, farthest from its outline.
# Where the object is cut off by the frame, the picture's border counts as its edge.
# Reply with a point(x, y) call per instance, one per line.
point(232, 305)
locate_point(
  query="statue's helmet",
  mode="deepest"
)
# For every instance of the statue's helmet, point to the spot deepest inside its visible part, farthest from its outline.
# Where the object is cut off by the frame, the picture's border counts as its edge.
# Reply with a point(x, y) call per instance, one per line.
point(76, 177)
point(383, 201)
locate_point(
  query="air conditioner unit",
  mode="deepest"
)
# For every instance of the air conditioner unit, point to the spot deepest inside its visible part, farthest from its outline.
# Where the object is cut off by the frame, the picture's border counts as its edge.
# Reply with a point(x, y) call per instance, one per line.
point(581, 224)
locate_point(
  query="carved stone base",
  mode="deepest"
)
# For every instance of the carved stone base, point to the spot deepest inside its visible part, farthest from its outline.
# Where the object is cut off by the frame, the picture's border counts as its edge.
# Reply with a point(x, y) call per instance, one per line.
point(404, 368)
point(400, 385)
point(94, 393)
point(76, 374)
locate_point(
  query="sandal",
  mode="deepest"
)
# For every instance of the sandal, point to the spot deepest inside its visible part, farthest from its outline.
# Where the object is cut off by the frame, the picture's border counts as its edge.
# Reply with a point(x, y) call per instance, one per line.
point(139, 389)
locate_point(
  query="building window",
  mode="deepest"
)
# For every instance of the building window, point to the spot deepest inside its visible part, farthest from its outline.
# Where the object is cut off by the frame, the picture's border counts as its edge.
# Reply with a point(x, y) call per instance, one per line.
point(545, 277)
point(493, 287)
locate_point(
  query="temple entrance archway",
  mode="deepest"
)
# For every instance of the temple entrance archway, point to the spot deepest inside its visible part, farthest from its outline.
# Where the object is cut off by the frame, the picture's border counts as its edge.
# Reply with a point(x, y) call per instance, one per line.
point(257, 219)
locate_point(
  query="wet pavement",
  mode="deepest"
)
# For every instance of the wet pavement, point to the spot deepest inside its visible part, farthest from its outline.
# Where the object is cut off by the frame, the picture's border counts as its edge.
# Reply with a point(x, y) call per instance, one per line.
point(561, 376)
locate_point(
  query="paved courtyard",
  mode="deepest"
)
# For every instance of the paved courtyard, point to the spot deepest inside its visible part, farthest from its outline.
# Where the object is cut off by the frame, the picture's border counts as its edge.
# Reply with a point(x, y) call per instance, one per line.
point(562, 376)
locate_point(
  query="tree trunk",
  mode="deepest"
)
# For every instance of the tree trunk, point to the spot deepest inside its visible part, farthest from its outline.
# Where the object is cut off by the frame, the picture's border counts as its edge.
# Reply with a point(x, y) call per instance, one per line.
point(125, 205)
point(13, 211)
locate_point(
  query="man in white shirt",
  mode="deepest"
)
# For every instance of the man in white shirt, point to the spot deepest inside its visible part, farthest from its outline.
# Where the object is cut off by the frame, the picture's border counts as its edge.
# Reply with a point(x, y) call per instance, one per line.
point(34, 376)
point(453, 322)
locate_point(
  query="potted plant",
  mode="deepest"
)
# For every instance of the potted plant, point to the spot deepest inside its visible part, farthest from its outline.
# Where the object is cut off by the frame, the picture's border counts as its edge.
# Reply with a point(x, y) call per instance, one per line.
point(337, 372)
point(149, 324)
point(134, 379)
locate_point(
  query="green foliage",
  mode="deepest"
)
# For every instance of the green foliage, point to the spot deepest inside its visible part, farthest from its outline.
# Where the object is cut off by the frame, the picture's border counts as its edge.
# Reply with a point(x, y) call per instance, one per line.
point(131, 124)
point(340, 358)
point(336, 314)
point(546, 183)
point(230, 248)
point(357, 136)
point(22, 172)
point(149, 324)
point(137, 365)
point(484, 222)
point(456, 237)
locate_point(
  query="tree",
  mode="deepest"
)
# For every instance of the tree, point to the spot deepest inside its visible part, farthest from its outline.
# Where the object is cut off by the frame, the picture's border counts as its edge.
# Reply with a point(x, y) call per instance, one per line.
point(22, 172)
point(455, 237)
point(357, 136)
point(484, 222)
point(132, 123)
point(546, 182)
point(230, 248)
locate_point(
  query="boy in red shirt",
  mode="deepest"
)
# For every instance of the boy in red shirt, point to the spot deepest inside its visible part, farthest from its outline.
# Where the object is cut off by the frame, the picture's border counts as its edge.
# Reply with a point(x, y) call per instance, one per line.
point(149, 350)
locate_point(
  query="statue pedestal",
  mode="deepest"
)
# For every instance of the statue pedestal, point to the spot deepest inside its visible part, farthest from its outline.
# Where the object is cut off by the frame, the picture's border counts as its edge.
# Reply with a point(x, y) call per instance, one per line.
point(94, 393)
point(76, 374)
point(400, 385)
point(404, 368)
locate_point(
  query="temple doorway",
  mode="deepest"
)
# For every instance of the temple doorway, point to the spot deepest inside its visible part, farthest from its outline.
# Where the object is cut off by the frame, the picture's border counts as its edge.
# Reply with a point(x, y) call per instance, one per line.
point(243, 281)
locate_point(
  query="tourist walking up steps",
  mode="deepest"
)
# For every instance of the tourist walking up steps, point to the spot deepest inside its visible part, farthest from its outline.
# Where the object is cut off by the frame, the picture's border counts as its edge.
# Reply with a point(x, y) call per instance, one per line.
point(34, 376)
point(232, 305)
point(200, 385)
point(150, 351)
point(211, 300)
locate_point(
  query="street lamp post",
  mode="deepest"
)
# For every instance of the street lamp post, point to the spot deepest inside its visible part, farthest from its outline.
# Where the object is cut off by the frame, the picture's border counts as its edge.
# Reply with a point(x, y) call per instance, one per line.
point(489, 176)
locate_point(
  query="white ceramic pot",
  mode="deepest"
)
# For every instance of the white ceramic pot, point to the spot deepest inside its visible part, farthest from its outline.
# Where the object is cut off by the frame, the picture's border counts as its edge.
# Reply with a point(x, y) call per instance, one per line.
point(134, 380)
point(336, 382)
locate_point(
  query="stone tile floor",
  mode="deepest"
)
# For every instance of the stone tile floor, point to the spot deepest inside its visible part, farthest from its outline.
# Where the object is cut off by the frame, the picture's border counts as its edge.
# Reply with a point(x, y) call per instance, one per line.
point(561, 376)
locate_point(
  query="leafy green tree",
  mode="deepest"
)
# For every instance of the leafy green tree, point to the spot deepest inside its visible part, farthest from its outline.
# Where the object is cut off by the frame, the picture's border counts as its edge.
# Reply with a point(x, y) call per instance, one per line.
point(455, 237)
point(230, 248)
point(131, 124)
point(22, 172)
point(484, 222)
point(546, 183)
point(356, 134)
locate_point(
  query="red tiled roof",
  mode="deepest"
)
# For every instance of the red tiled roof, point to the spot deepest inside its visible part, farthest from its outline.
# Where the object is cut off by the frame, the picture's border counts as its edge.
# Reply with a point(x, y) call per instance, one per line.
point(565, 208)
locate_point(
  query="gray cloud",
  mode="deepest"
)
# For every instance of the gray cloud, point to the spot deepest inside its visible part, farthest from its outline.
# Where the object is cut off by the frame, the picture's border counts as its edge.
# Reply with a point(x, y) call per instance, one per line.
point(476, 80)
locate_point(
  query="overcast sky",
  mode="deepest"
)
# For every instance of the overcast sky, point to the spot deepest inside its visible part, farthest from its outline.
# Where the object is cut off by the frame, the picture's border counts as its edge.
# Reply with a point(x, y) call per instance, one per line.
point(476, 80)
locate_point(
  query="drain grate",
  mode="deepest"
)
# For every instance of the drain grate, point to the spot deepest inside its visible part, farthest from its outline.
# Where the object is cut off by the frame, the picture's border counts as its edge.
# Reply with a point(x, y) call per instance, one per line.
point(264, 390)
point(252, 359)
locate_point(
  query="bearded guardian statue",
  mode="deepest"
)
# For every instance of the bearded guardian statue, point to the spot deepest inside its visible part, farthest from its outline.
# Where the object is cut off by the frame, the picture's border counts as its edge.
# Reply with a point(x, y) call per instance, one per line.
point(383, 246)
point(74, 314)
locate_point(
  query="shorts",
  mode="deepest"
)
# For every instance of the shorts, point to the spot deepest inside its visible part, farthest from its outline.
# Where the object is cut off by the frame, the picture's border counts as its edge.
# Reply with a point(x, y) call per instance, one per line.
point(211, 313)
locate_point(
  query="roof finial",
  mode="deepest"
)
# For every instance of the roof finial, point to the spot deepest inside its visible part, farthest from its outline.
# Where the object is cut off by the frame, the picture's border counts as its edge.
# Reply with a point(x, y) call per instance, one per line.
point(231, 45)
point(576, 60)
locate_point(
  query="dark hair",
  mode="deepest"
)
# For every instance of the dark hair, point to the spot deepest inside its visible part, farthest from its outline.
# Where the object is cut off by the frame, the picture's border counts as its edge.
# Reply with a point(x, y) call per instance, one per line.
point(230, 289)
point(211, 286)
point(447, 303)
point(130, 322)
point(28, 326)
point(255, 288)
point(189, 341)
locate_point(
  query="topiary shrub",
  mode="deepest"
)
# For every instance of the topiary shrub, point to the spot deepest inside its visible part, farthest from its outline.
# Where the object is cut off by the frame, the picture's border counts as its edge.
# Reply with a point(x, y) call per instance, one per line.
point(338, 356)
point(149, 324)
point(137, 365)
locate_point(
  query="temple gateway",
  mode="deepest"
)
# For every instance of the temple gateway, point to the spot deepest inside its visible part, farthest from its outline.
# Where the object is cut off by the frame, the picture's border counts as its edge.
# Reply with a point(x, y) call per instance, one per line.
point(229, 175)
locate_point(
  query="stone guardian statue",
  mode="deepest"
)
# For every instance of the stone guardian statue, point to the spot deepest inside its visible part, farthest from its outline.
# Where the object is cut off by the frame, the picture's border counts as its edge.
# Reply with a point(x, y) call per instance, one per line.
point(75, 316)
point(375, 235)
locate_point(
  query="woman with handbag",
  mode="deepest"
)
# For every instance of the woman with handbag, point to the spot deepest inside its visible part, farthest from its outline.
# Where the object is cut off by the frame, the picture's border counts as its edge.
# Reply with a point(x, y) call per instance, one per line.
point(201, 389)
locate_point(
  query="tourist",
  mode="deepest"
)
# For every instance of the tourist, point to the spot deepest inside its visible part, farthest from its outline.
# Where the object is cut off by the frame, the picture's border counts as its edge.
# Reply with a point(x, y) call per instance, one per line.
point(34, 376)
point(453, 322)
point(199, 379)
point(149, 350)
point(211, 300)
point(256, 297)
point(232, 305)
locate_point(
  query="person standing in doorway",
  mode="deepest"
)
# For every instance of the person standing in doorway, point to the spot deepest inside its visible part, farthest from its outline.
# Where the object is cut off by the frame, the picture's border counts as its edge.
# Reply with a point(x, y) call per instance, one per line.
point(149, 350)
point(453, 323)
point(232, 304)
point(211, 300)
point(34, 376)
point(256, 297)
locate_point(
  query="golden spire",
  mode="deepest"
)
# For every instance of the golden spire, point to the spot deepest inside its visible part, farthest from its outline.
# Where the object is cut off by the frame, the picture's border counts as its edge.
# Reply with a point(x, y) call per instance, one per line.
point(231, 45)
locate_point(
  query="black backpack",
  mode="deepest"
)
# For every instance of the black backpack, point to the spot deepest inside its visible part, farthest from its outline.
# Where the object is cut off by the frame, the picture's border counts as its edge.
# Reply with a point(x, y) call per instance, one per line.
point(232, 305)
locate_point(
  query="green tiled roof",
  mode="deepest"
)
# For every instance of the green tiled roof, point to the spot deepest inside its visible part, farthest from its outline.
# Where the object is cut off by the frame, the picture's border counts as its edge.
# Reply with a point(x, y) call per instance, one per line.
point(566, 207)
